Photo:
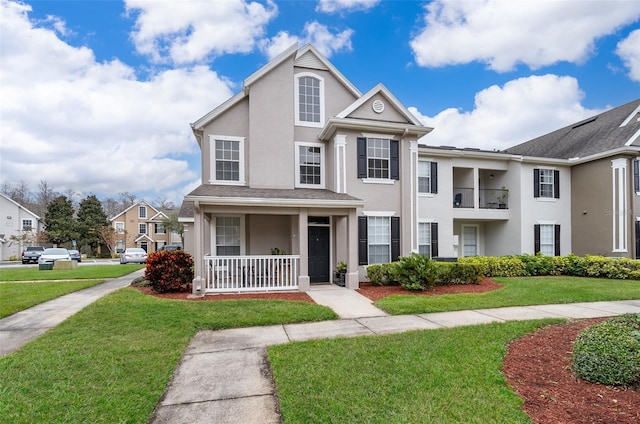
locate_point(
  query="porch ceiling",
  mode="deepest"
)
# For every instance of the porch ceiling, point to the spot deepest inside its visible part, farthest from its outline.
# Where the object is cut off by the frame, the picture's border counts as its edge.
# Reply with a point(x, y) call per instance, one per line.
point(247, 196)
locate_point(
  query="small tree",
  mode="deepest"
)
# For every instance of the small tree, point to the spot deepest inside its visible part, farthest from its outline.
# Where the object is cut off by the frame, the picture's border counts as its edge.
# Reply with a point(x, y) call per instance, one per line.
point(172, 224)
point(109, 237)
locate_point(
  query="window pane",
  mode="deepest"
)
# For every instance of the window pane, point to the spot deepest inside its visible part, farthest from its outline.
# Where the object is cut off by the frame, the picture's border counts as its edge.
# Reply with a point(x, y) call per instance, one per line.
point(379, 234)
point(227, 236)
point(309, 99)
point(227, 160)
point(378, 158)
point(547, 240)
point(424, 239)
point(310, 165)
point(546, 183)
point(424, 177)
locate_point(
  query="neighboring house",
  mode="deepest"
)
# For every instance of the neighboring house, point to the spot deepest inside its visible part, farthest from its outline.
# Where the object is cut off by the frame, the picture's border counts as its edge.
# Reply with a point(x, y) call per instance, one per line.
point(19, 227)
point(602, 155)
point(301, 162)
point(140, 225)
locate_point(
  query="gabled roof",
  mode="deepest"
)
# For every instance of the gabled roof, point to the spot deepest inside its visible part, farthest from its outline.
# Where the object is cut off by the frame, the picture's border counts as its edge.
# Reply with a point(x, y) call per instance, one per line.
point(380, 89)
point(611, 131)
point(142, 237)
point(306, 57)
point(139, 203)
point(20, 206)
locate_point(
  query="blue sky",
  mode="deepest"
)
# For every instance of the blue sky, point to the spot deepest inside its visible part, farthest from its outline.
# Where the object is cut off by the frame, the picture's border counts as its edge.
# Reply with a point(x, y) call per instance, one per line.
point(97, 96)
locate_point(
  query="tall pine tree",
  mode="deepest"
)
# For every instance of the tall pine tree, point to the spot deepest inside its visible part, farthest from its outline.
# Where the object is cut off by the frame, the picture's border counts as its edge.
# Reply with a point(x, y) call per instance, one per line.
point(58, 221)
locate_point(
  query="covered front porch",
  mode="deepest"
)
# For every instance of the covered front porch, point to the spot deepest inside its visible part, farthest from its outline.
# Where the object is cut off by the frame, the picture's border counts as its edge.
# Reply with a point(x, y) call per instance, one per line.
point(282, 243)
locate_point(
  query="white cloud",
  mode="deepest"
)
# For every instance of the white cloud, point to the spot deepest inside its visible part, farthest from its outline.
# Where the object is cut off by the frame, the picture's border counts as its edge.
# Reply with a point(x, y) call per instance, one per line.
point(504, 33)
point(332, 6)
point(94, 127)
point(505, 116)
point(315, 33)
point(198, 30)
point(629, 51)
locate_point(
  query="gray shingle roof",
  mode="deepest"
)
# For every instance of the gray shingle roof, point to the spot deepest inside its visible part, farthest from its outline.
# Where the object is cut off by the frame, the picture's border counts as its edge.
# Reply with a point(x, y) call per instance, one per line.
point(230, 191)
point(598, 134)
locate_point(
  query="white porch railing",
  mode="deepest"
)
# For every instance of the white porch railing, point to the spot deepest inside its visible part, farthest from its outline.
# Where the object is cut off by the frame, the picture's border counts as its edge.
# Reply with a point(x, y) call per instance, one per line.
point(251, 273)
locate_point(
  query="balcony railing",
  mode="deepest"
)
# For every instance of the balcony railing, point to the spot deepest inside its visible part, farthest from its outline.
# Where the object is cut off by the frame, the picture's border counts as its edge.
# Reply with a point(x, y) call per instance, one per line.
point(251, 273)
point(490, 198)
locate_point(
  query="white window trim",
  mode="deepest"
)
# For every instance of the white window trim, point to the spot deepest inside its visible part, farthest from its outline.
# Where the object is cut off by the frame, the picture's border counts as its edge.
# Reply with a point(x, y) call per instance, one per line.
point(368, 180)
point(119, 230)
point(299, 144)
point(22, 226)
point(296, 100)
point(378, 181)
point(553, 190)
point(551, 224)
point(140, 208)
point(379, 214)
point(421, 193)
point(477, 228)
point(242, 233)
point(146, 228)
point(212, 159)
point(427, 222)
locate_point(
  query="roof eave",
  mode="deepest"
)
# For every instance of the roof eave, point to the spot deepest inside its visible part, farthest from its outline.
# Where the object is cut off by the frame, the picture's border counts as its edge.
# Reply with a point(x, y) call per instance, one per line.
point(395, 128)
point(261, 201)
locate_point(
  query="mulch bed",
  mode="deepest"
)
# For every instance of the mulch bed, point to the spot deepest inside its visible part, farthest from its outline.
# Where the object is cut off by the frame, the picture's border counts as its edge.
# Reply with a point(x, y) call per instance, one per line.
point(536, 366)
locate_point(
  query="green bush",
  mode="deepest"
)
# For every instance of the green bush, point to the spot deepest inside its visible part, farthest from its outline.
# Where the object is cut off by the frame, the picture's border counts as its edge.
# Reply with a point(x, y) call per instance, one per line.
point(381, 274)
point(609, 352)
point(458, 273)
point(492, 266)
point(169, 271)
point(415, 272)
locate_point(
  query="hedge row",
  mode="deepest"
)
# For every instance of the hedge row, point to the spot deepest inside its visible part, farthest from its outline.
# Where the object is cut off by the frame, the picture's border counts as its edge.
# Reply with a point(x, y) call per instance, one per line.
point(418, 272)
point(572, 265)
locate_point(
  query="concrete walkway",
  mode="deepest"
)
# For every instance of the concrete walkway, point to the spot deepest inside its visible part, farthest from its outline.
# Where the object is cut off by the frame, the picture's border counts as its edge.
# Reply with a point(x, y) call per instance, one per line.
point(224, 376)
point(24, 326)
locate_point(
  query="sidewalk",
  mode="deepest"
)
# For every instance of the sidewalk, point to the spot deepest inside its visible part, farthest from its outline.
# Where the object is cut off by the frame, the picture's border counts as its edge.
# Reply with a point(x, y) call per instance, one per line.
point(24, 326)
point(224, 376)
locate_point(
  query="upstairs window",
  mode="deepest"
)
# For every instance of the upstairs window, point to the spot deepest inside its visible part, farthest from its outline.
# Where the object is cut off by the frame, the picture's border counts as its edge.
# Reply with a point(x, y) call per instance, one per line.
point(427, 177)
point(142, 212)
point(310, 165)
point(227, 162)
point(160, 229)
point(27, 225)
point(119, 227)
point(142, 228)
point(309, 91)
point(378, 158)
point(546, 183)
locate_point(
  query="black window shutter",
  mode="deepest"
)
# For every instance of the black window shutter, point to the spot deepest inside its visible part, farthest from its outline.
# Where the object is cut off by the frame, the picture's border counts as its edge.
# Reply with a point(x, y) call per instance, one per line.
point(395, 238)
point(363, 257)
point(536, 238)
point(556, 184)
point(556, 240)
point(434, 177)
point(637, 239)
point(362, 157)
point(394, 172)
point(434, 239)
point(636, 175)
point(536, 183)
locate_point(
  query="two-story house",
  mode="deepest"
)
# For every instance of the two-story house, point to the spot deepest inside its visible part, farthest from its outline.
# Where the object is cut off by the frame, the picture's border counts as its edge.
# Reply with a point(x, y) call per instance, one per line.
point(140, 225)
point(19, 227)
point(301, 162)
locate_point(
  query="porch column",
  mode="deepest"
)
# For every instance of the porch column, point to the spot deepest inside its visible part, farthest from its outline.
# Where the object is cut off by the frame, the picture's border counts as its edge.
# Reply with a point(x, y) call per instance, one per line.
point(352, 279)
point(304, 281)
point(198, 254)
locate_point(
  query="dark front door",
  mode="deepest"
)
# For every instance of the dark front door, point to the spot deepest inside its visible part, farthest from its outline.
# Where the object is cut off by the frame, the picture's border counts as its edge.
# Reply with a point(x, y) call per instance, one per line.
point(319, 254)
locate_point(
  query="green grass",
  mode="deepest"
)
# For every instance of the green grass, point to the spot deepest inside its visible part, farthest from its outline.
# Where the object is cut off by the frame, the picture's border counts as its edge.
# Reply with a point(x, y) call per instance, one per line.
point(111, 362)
point(82, 272)
point(15, 297)
point(437, 376)
point(518, 292)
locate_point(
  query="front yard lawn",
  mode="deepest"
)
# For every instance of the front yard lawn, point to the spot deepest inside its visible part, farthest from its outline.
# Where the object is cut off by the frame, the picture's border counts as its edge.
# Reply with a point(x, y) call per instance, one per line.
point(520, 291)
point(111, 362)
point(32, 273)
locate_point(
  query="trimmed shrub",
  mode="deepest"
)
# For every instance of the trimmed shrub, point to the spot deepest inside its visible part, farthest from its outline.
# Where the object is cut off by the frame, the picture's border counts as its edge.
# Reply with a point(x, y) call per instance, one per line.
point(492, 266)
point(415, 272)
point(609, 352)
point(169, 271)
point(457, 273)
point(381, 274)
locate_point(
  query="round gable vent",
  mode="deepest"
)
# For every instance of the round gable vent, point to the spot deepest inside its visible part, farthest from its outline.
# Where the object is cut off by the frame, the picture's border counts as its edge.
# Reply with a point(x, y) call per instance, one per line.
point(378, 106)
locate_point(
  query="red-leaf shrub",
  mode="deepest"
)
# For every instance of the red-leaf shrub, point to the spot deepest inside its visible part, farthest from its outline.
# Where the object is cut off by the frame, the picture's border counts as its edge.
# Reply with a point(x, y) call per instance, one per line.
point(169, 271)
